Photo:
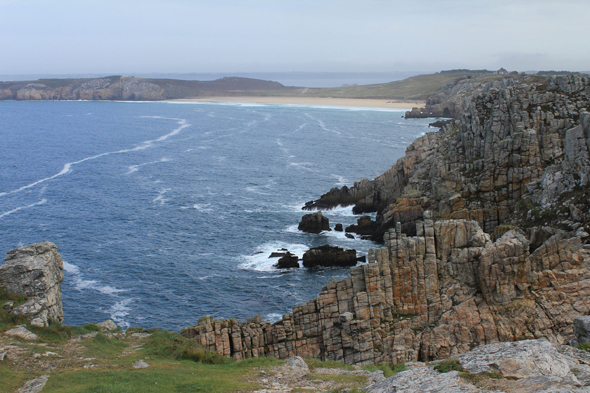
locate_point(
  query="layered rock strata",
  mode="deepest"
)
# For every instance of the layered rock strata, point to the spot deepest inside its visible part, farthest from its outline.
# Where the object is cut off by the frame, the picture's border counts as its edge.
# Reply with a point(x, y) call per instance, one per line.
point(442, 292)
point(517, 155)
point(35, 271)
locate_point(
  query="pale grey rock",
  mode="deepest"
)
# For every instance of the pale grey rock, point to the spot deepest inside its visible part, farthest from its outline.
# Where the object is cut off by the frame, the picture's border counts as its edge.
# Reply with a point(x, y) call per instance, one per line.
point(3, 355)
point(297, 362)
point(519, 359)
point(107, 325)
point(140, 364)
point(140, 335)
point(35, 271)
point(22, 332)
point(345, 317)
point(34, 385)
point(422, 380)
point(582, 329)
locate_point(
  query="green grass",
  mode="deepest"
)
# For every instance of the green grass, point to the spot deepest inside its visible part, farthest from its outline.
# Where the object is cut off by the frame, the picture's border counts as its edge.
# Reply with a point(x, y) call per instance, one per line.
point(161, 376)
point(103, 347)
point(450, 364)
point(316, 363)
point(88, 328)
point(172, 345)
point(388, 369)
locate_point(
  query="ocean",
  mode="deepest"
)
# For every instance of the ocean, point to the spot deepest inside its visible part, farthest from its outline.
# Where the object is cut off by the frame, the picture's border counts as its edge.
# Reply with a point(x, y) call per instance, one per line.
point(166, 212)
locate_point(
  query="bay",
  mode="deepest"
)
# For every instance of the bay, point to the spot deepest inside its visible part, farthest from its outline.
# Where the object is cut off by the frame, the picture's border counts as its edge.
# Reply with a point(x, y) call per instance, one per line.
point(166, 212)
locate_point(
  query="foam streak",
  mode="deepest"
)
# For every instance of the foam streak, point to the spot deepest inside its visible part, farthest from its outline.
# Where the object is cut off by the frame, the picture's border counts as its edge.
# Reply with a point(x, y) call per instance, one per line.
point(41, 202)
point(144, 145)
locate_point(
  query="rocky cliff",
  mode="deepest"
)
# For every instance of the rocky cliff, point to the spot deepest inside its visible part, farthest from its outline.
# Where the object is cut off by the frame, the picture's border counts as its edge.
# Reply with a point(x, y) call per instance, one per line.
point(518, 155)
point(35, 271)
point(442, 292)
point(484, 226)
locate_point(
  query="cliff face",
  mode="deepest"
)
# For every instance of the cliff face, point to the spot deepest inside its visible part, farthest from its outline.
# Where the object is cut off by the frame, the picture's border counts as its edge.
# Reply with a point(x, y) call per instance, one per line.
point(516, 156)
point(442, 292)
point(456, 271)
point(35, 271)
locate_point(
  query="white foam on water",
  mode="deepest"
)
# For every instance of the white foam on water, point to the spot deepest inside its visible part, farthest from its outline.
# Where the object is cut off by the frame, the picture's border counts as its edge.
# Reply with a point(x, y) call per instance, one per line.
point(202, 207)
point(261, 261)
point(81, 284)
point(160, 198)
point(135, 168)
point(144, 145)
point(341, 180)
point(273, 317)
point(41, 202)
point(119, 311)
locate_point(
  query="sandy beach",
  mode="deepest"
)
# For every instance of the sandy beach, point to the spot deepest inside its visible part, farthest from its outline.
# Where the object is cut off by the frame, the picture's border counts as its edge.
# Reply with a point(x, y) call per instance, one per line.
point(322, 101)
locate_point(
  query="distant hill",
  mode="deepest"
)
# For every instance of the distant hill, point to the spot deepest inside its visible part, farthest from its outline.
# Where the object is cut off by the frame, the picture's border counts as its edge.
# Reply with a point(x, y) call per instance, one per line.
point(419, 87)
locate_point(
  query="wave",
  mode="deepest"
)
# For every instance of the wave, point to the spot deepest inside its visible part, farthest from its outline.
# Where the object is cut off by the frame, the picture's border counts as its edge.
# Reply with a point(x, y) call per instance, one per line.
point(261, 261)
point(80, 284)
point(68, 166)
point(41, 202)
point(160, 198)
point(119, 311)
point(135, 168)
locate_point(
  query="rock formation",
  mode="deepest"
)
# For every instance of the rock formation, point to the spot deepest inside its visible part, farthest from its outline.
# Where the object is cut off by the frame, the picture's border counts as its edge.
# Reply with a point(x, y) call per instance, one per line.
point(35, 271)
point(517, 155)
point(314, 223)
point(327, 256)
point(528, 366)
point(287, 261)
point(442, 292)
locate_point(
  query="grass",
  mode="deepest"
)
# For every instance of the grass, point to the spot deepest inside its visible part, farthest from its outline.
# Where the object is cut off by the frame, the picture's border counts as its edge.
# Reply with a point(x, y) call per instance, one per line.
point(316, 363)
point(450, 364)
point(171, 345)
point(389, 369)
point(163, 375)
point(584, 347)
point(477, 379)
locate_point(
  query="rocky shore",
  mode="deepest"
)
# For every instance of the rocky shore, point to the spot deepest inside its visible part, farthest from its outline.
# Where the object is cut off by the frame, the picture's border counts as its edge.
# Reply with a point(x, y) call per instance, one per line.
point(485, 259)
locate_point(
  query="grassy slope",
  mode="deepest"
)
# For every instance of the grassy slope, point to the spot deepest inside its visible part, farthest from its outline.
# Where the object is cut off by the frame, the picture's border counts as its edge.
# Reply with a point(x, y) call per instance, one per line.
point(104, 363)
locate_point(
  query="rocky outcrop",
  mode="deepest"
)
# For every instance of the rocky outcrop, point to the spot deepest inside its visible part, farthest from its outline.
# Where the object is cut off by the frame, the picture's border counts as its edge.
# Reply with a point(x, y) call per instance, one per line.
point(442, 292)
point(518, 155)
point(329, 256)
point(314, 223)
point(35, 271)
point(287, 261)
point(528, 366)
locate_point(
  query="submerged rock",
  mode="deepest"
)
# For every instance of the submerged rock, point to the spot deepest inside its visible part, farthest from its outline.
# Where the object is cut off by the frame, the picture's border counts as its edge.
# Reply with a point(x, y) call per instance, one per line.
point(314, 223)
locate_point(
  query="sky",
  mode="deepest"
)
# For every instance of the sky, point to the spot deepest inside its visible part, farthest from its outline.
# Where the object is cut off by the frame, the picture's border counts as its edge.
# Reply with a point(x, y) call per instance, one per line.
point(131, 36)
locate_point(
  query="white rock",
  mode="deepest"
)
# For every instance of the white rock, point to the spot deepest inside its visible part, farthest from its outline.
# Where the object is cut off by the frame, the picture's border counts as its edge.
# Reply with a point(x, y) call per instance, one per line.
point(23, 333)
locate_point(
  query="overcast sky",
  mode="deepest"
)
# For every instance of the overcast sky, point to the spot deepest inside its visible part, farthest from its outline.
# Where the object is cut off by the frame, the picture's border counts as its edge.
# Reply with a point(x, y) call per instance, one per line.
point(132, 36)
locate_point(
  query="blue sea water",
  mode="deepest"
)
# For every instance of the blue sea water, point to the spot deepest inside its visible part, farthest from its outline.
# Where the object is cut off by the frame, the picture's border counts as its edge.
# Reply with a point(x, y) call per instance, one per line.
point(166, 212)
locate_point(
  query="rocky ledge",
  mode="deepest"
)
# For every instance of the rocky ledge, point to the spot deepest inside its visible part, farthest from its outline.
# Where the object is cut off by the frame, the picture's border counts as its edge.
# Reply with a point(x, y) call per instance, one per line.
point(36, 272)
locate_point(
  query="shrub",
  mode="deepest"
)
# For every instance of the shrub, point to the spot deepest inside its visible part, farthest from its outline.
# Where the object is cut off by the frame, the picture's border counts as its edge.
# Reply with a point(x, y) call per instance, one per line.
point(450, 364)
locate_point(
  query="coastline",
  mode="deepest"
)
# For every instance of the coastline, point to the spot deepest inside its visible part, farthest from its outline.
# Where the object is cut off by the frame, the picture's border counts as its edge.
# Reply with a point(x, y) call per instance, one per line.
point(320, 101)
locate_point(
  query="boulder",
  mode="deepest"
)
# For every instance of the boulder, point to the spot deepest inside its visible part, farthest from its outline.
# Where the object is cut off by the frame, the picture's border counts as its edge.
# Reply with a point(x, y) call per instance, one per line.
point(297, 362)
point(327, 255)
point(107, 325)
point(22, 332)
point(35, 271)
point(288, 261)
point(314, 223)
point(338, 228)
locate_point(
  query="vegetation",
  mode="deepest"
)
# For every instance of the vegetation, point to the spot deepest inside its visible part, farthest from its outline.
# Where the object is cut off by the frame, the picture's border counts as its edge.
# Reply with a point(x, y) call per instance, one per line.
point(450, 364)
point(388, 369)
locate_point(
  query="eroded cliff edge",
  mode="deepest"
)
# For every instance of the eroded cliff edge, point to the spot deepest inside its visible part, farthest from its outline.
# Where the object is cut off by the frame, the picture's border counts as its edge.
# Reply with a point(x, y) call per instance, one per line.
point(484, 226)
point(517, 155)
